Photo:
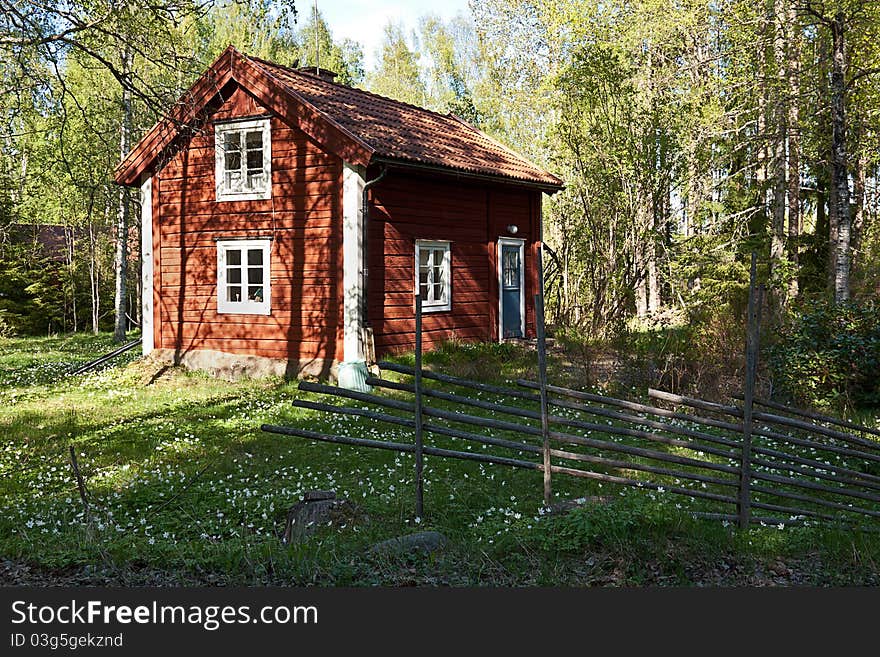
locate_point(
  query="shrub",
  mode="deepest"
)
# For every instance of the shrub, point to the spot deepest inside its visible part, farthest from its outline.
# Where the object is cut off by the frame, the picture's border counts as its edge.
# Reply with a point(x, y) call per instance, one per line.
point(702, 357)
point(828, 355)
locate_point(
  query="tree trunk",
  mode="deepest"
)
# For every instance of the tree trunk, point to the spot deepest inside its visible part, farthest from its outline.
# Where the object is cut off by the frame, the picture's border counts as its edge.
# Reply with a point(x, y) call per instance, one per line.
point(695, 194)
point(71, 271)
point(762, 169)
point(793, 72)
point(653, 280)
point(860, 164)
point(780, 115)
point(641, 282)
point(839, 167)
point(93, 277)
point(122, 220)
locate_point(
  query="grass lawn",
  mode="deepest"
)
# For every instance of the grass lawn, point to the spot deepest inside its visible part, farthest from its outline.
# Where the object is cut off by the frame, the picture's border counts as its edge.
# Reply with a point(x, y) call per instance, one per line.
point(185, 488)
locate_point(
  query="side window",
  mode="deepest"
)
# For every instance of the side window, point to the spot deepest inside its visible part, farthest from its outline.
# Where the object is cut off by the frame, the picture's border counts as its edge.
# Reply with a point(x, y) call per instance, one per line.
point(243, 160)
point(434, 274)
point(243, 277)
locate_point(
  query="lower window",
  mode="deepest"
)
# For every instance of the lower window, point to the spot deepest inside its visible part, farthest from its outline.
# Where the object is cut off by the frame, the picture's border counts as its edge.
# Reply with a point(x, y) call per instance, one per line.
point(433, 274)
point(243, 276)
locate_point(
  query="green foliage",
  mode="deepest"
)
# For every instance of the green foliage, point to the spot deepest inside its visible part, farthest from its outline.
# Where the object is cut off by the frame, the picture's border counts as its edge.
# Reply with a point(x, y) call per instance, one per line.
point(828, 355)
point(599, 526)
point(398, 75)
point(345, 58)
point(711, 277)
point(701, 354)
point(31, 293)
point(262, 28)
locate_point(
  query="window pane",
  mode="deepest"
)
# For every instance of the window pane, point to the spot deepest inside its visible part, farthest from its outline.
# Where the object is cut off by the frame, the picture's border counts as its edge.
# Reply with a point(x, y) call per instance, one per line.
point(233, 275)
point(233, 256)
point(423, 292)
point(256, 180)
point(231, 151)
point(255, 293)
point(233, 160)
point(233, 179)
point(233, 293)
point(424, 257)
point(511, 269)
point(255, 274)
point(255, 256)
point(255, 161)
point(231, 142)
point(439, 292)
point(254, 139)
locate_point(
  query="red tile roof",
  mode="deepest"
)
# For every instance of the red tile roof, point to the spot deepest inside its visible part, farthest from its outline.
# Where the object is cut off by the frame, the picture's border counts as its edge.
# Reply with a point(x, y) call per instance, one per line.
point(364, 127)
point(400, 131)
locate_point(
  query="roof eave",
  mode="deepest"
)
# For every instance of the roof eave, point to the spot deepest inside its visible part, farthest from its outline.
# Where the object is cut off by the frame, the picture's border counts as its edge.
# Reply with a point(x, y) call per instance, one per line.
point(544, 186)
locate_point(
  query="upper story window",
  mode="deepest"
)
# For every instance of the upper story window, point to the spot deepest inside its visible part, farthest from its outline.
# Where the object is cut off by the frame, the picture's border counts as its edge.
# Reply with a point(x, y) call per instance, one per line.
point(243, 160)
point(243, 277)
point(433, 274)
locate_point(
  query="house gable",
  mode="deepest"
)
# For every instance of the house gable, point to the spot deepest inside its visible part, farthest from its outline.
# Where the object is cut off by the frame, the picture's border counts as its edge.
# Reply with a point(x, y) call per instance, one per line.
point(231, 71)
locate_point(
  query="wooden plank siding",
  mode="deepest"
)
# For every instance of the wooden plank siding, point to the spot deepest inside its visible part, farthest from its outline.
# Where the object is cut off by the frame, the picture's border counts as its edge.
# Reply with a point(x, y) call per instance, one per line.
point(472, 216)
point(303, 218)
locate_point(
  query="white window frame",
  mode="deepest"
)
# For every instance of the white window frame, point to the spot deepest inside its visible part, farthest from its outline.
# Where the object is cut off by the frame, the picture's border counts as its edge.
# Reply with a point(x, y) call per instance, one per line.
point(434, 245)
point(222, 129)
point(244, 307)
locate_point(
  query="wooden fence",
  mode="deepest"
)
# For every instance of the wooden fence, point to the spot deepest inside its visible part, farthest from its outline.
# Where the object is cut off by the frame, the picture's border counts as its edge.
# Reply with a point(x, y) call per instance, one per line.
point(740, 464)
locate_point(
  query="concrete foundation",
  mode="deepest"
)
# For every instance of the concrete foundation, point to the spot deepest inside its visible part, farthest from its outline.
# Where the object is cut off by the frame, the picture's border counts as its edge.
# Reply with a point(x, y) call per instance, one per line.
point(232, 367)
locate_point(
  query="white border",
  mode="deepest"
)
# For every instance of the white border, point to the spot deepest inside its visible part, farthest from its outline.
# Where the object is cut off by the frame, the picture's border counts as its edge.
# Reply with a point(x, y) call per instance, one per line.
point(219, 168)
point(512, 241)
point(147, 320)
point(263, 307)
point(447, 266)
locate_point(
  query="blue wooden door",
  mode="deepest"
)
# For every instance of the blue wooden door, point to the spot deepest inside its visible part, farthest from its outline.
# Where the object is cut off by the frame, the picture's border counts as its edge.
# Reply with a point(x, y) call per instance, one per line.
point(511, 291)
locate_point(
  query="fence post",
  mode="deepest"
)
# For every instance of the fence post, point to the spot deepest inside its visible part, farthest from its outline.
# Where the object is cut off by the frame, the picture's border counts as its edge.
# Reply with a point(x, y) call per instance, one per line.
point(752, 347)
point(542, 382)
point(418, 409)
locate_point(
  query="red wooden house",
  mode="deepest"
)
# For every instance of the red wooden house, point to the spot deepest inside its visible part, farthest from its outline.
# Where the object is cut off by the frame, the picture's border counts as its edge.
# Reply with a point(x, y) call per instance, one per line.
point(288, 221)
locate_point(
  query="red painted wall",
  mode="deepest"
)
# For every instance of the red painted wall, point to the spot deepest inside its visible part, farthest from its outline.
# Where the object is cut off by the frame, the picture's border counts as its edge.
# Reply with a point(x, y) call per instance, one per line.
point(406, 207)
point(304, 219)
